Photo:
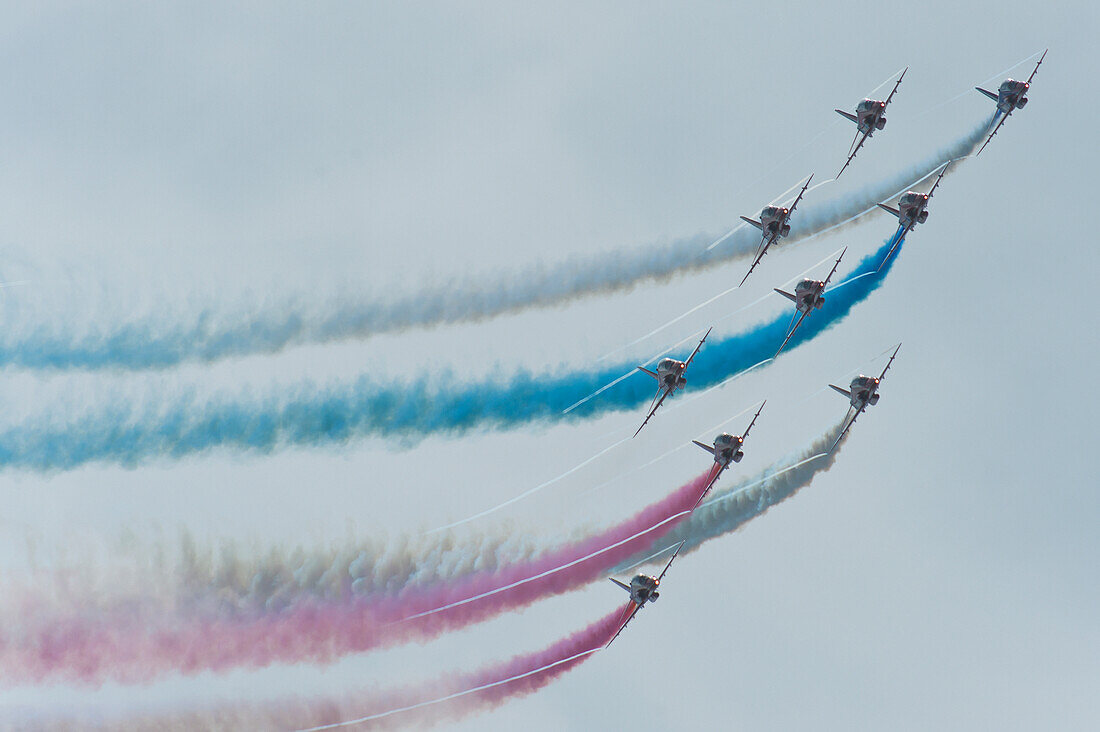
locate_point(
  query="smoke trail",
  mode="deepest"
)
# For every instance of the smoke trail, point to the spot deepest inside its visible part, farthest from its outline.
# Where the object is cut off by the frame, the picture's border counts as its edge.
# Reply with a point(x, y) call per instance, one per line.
point(330, 416)
point(301, 619)
point(133, 647)
point(728, 510)
point(165, 340)
point(447, 698)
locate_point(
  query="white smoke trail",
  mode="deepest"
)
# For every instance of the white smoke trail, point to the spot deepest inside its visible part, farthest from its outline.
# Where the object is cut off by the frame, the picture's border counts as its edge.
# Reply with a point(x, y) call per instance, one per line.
point(166, 339)
point(728, 510)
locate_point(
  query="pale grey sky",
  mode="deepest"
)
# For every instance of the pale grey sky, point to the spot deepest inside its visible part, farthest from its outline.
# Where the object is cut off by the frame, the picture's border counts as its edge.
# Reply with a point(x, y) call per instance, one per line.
point(941, 575)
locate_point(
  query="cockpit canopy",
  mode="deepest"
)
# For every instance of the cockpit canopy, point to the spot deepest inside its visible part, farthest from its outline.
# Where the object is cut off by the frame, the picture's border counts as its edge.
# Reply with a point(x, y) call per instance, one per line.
point(807, 285)
point(643, 581)
point(724, 440)
point(1010, 85)
point(910, 199)
point(863, 381)
point(771, 212)
point(866, 105)
point(667, 364)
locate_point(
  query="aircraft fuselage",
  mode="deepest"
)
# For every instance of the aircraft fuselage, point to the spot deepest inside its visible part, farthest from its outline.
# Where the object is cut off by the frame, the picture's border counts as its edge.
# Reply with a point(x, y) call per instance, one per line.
point(727, 449)
point(1011, 95)
point(808, 295)
point(869, 116)
point(864, 391)
point(773, 221)
point(912, 209)
point(670, 373)
point(643, 589)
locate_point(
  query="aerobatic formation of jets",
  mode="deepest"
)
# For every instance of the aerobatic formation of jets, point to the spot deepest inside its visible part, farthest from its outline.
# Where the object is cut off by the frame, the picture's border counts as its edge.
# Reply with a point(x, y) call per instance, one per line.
point(774, 223)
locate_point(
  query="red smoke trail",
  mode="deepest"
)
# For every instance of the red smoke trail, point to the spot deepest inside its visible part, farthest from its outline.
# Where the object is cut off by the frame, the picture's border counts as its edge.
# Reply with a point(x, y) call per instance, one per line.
point(490, 687)
point(135, 649)
point(446, 698)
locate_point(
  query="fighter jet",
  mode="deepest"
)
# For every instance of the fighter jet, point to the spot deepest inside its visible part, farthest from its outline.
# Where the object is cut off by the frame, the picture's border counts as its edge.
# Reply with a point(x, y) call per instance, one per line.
point(807, 297)
point(912, 210)
point(726, 450)
point(670, 377)
point(774, 223)
point(862, 393)
point(1010, 96)
point(870, 116)
point(642, 589)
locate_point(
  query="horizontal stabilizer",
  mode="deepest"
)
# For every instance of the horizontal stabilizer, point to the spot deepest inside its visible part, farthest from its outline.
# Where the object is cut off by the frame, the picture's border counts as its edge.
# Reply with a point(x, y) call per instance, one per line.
point(787, 295)
point(620, 584)
point(651, 373)
point(894, 211)
point(989, 94)
point(845, 392)
point(848, 115)
point(757, 224)
point(708, 448)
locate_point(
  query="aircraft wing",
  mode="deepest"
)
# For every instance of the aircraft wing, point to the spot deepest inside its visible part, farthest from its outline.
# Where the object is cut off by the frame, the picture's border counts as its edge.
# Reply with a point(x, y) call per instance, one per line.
point(852, 155)
point(661, 576)
point(799, 197)
point(629, 614)
point(1037, 66)
point(760, 252)
point(895, 89)
point(790, 333)
point(939, 178)
point(758, 411)
point(888, 363)
point(833, 270)
point(995, 131)
point(899, 237)
point(847, 427)
point(654, 409)
point(710, 483)
point(696, 351)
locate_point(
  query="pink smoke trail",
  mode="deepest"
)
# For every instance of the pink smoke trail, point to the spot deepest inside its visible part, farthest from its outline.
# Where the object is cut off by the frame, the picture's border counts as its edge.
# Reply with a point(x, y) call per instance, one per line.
point(134, 648)
point(446, 698)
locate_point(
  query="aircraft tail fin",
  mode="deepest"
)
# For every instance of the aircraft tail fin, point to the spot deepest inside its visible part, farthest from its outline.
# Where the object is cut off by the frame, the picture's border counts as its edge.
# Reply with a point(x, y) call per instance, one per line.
point(845, 392)
point(651, 373)
point(757, 224)
point(787, 295)
point(708, 448)
point(989, 94)
point(847, 115)
point(894, 211)
point(620, 584)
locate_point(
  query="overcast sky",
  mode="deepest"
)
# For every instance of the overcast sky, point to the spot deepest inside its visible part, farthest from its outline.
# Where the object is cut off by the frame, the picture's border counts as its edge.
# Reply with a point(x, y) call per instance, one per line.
point(943, 575)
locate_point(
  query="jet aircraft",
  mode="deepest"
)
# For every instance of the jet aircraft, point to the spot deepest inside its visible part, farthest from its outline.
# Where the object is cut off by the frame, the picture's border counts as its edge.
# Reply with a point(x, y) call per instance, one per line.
point(726, 449)
point(1010, 96)
point(862, 393)
point(774, 223)
point(807, 297)
point(642, 589)
point(912, 210)
point(670, 377)
point(870, 116)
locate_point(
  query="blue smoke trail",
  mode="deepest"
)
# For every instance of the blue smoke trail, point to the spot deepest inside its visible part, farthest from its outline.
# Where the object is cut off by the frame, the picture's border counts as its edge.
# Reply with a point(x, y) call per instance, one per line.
point(165, 340)
point(399, 410)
